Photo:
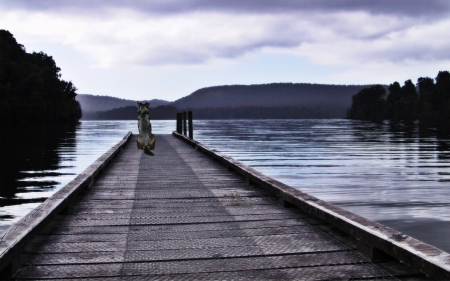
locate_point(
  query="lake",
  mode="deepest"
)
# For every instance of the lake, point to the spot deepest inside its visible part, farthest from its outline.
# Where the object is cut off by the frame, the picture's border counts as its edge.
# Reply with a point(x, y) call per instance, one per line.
point(397, 174)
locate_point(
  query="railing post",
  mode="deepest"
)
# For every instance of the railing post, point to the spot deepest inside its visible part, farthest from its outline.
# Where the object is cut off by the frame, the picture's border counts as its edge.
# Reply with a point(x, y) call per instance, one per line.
point(184, 123)
point(191, 130)
point(179, 123)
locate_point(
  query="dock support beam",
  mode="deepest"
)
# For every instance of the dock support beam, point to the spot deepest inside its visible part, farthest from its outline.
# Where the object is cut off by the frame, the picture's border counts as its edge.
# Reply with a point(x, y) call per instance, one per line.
point(372, 252)
point(191, 129)
point(179, 123)
point(184, 124)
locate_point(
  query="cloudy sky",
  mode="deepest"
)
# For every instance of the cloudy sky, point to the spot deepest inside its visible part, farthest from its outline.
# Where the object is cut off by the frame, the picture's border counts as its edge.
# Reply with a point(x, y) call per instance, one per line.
point(166, 49)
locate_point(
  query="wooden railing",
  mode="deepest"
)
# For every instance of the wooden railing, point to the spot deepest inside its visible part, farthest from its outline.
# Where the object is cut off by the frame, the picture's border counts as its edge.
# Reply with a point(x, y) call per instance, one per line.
point(182, 120)
point(14, 240)
point(373, 239)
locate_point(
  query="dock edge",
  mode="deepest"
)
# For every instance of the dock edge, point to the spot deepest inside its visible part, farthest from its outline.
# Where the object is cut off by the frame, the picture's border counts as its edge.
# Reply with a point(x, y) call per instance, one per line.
point(371, 236)
point(20, 234)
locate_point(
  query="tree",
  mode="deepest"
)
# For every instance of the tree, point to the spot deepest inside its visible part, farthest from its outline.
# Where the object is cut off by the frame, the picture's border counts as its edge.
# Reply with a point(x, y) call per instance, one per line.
point(31, 88)
point(427, 97)
point(369, 104)
point(432, 102)
point(395, 93)
point(443, 94)
point(394, 96)
point(402, 101)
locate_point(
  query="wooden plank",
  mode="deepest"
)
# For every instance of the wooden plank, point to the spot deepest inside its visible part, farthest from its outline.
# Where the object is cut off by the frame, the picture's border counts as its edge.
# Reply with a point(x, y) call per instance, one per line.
point(16, 237)
point(319, 267)
point(372, 237)
point(144, 235)
point(64, 227)
point(179, 215)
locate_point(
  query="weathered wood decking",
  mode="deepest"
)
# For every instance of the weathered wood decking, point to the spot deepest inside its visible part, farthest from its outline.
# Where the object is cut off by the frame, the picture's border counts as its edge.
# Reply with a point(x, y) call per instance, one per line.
point(181, 216)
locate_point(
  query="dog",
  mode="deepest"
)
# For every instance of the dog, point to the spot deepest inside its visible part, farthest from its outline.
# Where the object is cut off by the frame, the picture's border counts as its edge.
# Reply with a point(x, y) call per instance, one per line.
point(146, 140)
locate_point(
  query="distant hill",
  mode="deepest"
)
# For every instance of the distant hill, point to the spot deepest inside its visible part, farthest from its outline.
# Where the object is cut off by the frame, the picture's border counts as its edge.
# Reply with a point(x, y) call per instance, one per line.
point(271, 95)
point(168, 112)
point(162, 112)
point(277, 100)
point(91, 103)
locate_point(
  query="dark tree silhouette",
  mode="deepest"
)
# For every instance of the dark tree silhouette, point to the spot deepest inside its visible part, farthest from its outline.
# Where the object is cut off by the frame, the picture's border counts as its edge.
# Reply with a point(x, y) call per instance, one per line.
point(244, 112)
point(408, 108)
point(30, 86)
point(368, 104)
point(443, 94)
point(427, 97)
point(394, 97)
point(432, 102)
point(395, 93)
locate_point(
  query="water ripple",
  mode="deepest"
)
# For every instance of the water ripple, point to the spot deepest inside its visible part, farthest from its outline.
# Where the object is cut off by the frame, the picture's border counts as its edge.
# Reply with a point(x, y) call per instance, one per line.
point(385, 172)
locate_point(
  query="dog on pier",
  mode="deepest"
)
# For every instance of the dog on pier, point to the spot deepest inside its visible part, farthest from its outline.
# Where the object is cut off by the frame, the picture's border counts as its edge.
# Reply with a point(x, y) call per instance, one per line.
point(146, 140)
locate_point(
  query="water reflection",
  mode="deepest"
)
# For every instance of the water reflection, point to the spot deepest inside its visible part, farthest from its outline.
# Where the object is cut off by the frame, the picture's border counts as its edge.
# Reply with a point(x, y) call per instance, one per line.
point(31, 151)
point(396, 173)
point(37, 161)
point(29, 162)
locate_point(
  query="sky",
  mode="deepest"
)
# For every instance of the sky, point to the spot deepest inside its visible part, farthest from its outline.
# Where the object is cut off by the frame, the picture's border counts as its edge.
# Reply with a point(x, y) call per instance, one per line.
point(167, 49)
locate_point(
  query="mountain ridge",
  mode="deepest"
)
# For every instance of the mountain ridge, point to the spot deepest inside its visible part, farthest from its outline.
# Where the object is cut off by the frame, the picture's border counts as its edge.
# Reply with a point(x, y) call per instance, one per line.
point(96, 103)
point(270, 95)
point(300, 100)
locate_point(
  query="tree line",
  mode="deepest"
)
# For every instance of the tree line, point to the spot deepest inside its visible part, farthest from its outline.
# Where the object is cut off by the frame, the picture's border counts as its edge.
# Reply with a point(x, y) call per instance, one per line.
point(271, 95)
point(168, 112)
point(162, 112)
point(265, 112)
point(428, 99)
point(31, 88)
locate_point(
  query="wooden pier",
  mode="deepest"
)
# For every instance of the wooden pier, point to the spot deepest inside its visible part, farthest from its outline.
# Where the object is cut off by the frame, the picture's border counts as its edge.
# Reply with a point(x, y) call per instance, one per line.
point(190, 213)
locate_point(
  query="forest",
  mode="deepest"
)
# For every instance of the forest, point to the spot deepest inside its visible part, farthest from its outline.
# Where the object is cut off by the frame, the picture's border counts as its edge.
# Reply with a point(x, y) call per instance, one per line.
point(168, 112)
point(162, 112)
point(93, 103)
point(31, 88)
point(271, 95)
point(428, 99)
point(265, 101)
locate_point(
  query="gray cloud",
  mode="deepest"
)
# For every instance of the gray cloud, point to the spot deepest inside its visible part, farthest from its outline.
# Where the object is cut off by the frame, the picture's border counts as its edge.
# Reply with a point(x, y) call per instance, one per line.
point(171, 32)
point(420, 52)
point(409, 8)
point(150, 41)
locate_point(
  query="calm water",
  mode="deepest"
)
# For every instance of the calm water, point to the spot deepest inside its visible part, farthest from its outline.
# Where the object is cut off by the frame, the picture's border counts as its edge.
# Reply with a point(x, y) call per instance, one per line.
point(38, 161)
point(396, 174)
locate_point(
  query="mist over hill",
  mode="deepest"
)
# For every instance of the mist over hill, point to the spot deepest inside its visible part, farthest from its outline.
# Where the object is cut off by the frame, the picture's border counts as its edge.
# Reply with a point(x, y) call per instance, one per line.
point(92, 103)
